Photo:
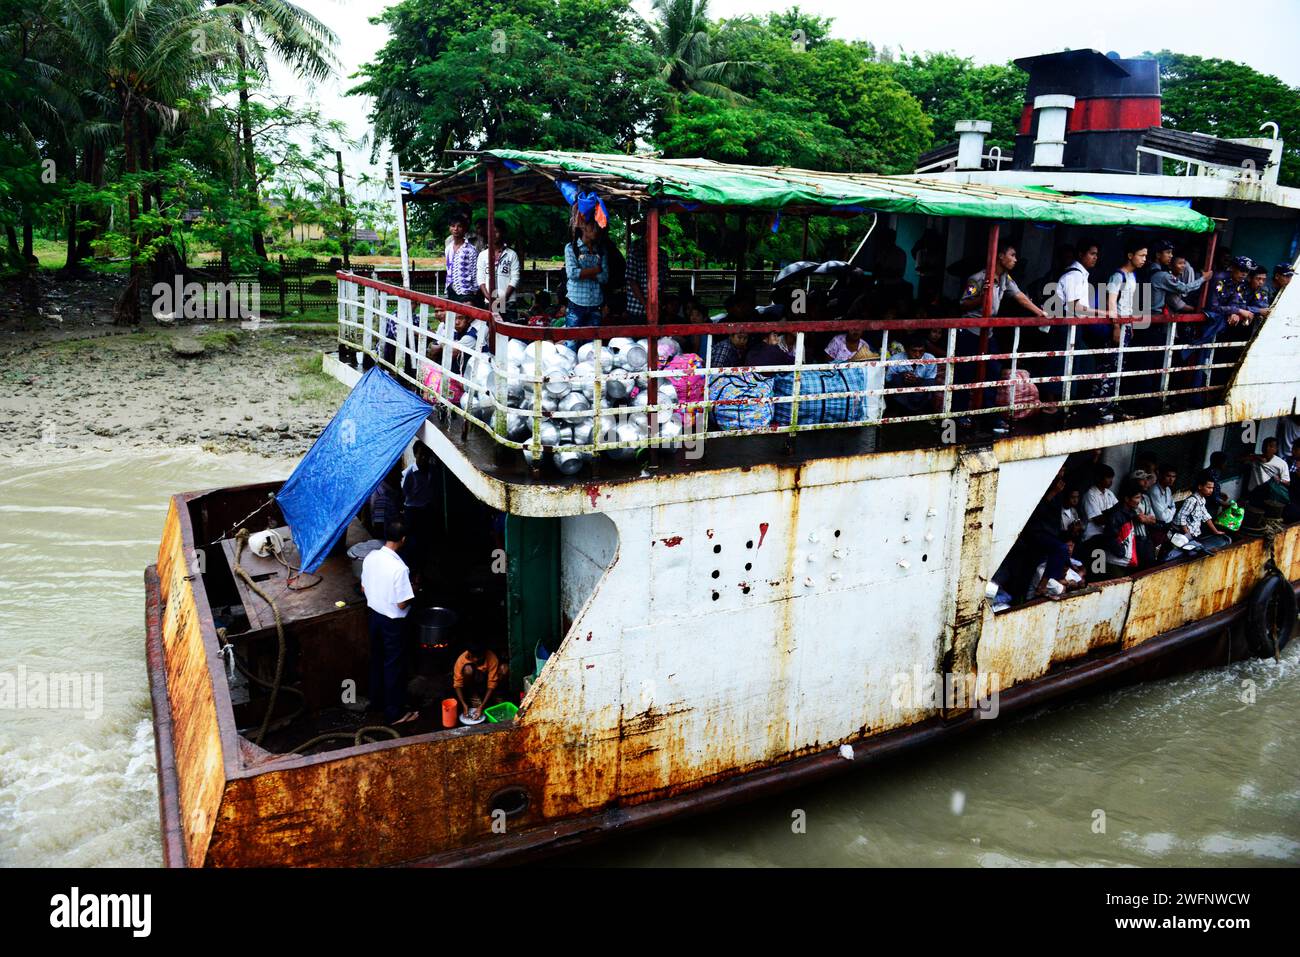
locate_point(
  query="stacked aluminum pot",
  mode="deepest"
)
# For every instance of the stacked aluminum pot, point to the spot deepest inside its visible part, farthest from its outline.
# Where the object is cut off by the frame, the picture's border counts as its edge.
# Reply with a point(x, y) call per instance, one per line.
point(568, 397)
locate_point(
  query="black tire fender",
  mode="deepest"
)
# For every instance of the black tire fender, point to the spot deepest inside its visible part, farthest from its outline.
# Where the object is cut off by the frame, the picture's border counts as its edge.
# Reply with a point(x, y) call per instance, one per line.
point(1271, 616)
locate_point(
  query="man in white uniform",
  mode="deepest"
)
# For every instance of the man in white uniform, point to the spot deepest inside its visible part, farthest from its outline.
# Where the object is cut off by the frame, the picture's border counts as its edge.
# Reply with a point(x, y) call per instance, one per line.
point(386, 582)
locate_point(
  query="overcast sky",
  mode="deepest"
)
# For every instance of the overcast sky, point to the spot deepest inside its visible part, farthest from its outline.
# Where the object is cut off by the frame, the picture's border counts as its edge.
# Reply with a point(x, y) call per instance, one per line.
point(1263, 36)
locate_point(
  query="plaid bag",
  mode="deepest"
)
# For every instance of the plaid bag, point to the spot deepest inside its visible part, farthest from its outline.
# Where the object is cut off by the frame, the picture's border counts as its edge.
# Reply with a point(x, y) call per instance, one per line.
point(734, 387)
point(814, 387)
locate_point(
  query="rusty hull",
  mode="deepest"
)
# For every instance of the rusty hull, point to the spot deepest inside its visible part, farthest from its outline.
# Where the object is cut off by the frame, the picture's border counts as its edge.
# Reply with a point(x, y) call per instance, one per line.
point(599, 767)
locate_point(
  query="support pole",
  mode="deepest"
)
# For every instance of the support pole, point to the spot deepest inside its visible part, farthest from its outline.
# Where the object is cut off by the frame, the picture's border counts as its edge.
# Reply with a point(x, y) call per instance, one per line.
point(990, 277)
point(401, 224)
point(492, 238)
point(742, 252)
point(1210, 248)
point(343, 204)
point(652, 320)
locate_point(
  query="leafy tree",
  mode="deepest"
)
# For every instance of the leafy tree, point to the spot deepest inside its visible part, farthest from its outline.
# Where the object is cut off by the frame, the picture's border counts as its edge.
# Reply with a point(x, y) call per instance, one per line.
point(772, 130)
point(295, 37)
point(691, 51)
point(840, 84)
point(456, 75)
point(1222, 98)
point(952, 88)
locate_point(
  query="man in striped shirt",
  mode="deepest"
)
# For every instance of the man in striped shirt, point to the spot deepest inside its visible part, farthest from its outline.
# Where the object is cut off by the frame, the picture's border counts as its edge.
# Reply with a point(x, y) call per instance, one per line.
point(462, 262)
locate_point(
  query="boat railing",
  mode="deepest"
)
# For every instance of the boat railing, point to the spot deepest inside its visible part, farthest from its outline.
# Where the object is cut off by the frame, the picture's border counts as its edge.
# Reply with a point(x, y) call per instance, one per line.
point(523, 384)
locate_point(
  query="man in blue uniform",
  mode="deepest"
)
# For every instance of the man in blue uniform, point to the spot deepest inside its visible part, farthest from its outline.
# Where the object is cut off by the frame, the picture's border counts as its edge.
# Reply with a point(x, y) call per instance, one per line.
point(1282, 274)
point(1224, 308)
point(1259, 298)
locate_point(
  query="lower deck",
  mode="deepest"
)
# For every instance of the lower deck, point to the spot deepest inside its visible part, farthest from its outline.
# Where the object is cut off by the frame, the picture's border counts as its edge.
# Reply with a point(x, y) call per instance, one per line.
point(659, 697)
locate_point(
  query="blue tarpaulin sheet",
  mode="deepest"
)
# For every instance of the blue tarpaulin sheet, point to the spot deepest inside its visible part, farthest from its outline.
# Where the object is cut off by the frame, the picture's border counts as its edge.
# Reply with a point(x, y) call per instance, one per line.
point(1142, 200)
point(351, 457)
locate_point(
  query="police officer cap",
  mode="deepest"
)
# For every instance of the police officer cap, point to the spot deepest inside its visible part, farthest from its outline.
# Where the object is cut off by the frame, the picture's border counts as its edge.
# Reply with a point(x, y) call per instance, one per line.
point(1244, 263)
point(1163, 245)
point(1283, 269)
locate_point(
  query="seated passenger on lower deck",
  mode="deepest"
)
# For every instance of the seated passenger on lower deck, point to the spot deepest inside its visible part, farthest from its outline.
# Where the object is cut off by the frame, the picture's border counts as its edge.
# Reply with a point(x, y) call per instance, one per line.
point(1269, 479)
point(1118, 539)
point(920, 370)
point(1193, 516)
point(477, 673)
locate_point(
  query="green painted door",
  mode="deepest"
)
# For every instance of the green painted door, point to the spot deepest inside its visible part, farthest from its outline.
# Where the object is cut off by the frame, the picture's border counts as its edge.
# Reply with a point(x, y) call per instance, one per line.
point(532, 591)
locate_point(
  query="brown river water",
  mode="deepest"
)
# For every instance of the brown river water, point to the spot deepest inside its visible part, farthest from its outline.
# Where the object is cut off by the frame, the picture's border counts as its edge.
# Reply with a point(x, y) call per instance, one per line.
point(1185, 771)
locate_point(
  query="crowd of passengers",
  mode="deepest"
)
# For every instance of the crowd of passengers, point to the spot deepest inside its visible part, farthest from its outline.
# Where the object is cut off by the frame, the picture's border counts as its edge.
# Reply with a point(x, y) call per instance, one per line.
point(603, 286)
point(1086, 528)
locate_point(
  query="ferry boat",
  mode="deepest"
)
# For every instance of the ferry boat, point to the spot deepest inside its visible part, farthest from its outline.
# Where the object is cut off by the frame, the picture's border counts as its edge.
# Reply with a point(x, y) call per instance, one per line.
point(758, 610)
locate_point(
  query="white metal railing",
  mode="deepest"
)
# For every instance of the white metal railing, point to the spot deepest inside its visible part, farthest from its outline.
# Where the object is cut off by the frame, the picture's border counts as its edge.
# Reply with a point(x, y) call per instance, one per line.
point(542, 397)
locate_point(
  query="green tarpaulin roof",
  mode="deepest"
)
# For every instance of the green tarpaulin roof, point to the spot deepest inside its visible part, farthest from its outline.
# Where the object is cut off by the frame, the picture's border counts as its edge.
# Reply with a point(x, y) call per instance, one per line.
point(529, 176)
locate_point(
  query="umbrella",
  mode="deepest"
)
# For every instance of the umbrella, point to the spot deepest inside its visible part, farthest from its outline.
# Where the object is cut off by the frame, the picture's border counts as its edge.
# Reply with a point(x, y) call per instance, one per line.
point(796, 270)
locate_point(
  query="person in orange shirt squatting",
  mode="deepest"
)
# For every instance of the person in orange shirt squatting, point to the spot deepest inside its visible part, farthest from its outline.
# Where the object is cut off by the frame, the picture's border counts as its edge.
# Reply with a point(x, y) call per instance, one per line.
point(477, 673)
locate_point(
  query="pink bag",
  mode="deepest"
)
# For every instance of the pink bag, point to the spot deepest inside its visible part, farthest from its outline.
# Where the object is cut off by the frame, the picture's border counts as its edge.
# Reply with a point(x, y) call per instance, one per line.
point(689, 384)
point(433, 385)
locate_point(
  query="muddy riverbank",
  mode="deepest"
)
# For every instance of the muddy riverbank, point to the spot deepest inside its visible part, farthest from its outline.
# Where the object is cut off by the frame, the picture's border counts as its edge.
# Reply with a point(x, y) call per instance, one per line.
point(217, 387)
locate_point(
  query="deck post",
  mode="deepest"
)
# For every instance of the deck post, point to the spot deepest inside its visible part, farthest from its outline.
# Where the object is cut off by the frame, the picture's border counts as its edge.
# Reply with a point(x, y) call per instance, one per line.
point(492, 239)
point(948, 370)
point(652, 320)
point(1210, 249)
point(401, 224)
point(1170, 328)
point(742, 253)
point(1067, 380)
point(990, 277)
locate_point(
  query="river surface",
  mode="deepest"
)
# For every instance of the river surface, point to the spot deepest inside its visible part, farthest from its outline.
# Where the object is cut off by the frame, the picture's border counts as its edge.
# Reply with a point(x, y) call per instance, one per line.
point(1179, 772)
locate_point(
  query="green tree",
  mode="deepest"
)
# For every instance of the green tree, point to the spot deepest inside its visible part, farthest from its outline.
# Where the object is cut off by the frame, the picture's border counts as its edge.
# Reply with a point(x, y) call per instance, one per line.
point(830, 81)
point(771, 130)
point(455, 75)
point(297, 39)
point(691, 51)
point(1222, 98)
point(146, 57)
point(952, 88)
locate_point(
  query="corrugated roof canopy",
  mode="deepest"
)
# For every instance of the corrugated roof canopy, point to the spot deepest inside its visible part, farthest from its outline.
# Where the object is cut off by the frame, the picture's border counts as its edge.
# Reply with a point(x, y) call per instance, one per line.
point(697, 184)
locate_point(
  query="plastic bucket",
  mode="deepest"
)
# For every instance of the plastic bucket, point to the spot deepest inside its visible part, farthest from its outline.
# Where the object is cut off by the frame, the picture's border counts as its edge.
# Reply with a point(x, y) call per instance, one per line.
point(450, 712)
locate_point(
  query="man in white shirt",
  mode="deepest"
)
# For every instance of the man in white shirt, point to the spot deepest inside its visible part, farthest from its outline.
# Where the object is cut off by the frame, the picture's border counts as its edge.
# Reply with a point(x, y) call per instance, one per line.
point(1161, 495)
point(386, 582)
point(1269, 479)
point(507, 274)
point(1097, 499)
point(1074, 288)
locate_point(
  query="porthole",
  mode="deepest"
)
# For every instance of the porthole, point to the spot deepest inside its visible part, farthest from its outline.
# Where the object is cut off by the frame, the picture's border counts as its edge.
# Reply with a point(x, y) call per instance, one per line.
point(511, 801)
point(717, 549)
point(715, 596)
point(749, 566)
point(716, 573)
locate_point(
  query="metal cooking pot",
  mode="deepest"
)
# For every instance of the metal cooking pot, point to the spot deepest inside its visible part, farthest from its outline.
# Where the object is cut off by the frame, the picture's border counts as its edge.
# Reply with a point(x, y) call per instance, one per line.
point(434, 626)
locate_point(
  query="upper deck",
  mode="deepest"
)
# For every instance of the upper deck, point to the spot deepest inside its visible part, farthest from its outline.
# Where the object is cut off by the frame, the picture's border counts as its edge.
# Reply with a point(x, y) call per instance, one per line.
point(536, 426)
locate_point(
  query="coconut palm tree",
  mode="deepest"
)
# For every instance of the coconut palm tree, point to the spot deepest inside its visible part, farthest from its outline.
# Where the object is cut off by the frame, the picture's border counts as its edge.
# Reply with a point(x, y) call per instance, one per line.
point(146, 57)
point(293, 36)
point(682, 39)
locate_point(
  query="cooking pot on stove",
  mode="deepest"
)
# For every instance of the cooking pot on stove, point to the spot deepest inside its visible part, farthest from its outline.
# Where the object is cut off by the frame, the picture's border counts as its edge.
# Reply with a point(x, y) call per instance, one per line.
point(433, 627)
